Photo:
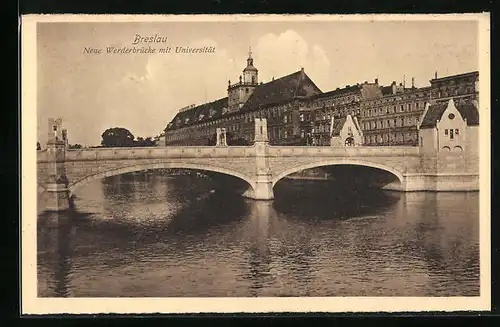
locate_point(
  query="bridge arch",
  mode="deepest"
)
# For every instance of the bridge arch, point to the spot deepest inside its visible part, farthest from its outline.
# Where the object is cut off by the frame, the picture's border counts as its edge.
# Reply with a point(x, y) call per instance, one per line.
point(73, 185)
point(335, 162)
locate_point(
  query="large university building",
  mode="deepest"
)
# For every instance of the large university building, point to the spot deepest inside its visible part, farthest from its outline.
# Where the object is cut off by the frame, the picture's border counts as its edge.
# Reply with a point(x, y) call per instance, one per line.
point(299, 113)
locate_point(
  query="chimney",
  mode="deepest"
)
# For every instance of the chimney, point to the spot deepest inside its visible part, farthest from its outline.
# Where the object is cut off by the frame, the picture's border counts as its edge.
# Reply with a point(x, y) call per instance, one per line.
point(413, 82)
point(376, 80)
point(436, 75)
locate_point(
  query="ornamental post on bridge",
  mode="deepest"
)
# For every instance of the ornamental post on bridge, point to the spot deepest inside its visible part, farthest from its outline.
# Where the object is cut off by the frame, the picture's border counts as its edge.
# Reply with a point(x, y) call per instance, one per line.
point(221, 137)
point(57, 183)
point(263, 185)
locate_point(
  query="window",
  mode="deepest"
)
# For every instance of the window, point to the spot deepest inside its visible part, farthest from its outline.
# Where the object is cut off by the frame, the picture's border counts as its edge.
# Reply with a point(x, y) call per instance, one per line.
point(445, 132)
point(301, 117)
point(456, 131)
point(451, 134)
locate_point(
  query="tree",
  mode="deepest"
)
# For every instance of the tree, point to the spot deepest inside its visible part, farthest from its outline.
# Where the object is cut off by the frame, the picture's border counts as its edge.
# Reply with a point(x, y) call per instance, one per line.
point(117, 137)
point(75, 146)
point(38, 147)
point(148, 141)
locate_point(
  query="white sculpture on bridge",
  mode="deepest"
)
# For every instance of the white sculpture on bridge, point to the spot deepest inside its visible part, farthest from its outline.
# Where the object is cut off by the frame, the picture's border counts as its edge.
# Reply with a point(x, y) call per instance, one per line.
point(221, 137)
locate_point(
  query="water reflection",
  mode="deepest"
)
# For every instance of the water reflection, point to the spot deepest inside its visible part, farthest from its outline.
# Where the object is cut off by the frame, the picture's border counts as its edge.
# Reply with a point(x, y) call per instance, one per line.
point(158, 235)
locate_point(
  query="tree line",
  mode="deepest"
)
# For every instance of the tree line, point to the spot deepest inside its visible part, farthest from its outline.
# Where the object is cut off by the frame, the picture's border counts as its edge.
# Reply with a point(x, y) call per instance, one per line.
point(122, 137)
point(116, 137)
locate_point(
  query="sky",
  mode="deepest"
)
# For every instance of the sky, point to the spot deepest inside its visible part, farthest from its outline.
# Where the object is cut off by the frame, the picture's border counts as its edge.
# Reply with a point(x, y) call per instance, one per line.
point(143, 92)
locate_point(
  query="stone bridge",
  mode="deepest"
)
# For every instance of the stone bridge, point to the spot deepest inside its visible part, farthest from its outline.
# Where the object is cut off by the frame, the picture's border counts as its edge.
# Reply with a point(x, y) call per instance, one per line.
point(60, 171)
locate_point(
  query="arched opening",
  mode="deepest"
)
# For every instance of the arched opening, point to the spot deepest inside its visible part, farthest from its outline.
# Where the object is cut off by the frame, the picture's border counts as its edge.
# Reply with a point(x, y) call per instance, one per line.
point(457, 149)
point(349, 141)
point(446, 149)
point(373, 175)
point(341, 189)
point(161, 166)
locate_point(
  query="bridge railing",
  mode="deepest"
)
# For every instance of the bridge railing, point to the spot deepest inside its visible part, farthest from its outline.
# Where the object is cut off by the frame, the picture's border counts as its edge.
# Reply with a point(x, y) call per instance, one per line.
point(276, 151)
point(225, 152)
point(158, 152)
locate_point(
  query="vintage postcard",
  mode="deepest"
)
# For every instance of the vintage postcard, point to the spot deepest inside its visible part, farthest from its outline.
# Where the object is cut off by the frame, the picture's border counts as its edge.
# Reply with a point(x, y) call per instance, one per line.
point(255, 163)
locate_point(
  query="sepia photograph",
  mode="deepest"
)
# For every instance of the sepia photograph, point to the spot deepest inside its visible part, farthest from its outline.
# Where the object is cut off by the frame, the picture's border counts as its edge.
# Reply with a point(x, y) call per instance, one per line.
point(255, 163)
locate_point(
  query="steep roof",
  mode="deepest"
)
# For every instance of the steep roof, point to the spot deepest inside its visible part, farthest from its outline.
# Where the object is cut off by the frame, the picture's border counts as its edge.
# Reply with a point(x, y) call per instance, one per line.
point(198, 114)
point(386, 90)
point(337, 91)
point(468, 110)
point(365, 90)
point(279, 90)
point(250, 67)
point(338, 124)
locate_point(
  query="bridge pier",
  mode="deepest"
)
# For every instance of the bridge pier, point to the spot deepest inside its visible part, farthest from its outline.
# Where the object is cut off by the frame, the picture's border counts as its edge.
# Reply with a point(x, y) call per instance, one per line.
point(58, 197)
point(263, 188)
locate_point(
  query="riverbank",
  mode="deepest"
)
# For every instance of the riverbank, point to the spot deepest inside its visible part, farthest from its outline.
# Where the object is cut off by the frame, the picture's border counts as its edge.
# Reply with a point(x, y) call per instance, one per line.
point(309, 178)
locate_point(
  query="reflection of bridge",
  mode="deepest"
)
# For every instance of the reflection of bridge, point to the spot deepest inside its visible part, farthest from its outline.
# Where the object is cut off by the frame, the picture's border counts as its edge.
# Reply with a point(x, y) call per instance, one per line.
point(61, 171)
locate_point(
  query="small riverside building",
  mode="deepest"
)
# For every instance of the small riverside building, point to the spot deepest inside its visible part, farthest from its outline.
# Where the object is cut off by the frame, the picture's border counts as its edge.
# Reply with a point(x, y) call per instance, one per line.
point(449, 131)
point(346, 131)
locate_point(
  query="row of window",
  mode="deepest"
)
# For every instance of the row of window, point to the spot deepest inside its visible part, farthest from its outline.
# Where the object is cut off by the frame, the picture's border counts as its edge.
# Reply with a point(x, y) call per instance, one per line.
point(409, 121)
point(327, 116)
point(450, 91)
point(395, 138)
point(331, 102)
point(412, 106)
point(386, 99)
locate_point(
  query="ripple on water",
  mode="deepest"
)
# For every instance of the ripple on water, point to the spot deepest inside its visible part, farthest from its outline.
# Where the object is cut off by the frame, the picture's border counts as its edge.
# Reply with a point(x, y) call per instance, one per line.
point(168, 237)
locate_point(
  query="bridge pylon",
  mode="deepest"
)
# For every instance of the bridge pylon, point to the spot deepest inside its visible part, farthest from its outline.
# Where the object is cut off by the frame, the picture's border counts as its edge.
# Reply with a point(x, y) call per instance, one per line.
point(263, 188)
point(58, 195)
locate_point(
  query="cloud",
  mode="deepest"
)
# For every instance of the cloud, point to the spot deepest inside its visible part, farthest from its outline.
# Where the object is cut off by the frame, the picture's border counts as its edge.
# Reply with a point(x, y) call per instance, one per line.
point(288, 52)
point(145, 101)
point(145, 98)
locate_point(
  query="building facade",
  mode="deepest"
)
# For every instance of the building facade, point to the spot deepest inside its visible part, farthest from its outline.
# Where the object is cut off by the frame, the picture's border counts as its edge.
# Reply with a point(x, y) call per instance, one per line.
point(461, 88)
point(316, 112)
point(299, 113)
point(277, 100)
point(449, 136)
point(392, 119)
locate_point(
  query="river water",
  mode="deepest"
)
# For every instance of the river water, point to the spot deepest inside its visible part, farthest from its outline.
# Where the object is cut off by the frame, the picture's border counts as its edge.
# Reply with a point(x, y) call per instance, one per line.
point(157, 235)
